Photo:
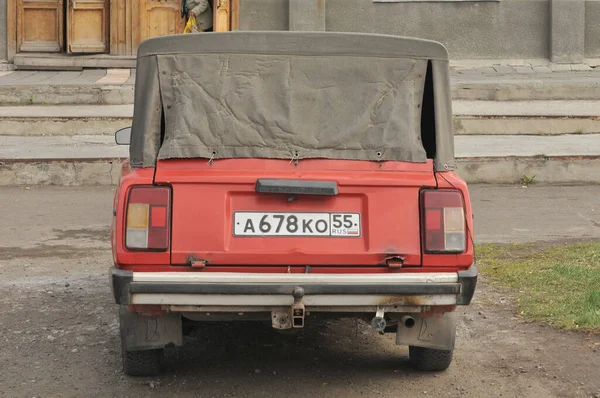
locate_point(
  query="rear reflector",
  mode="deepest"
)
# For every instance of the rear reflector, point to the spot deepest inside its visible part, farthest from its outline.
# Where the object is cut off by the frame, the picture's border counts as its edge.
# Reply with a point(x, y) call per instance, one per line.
point(444, 223)
point(148, 213)
point(159, 216)
point(137, 215)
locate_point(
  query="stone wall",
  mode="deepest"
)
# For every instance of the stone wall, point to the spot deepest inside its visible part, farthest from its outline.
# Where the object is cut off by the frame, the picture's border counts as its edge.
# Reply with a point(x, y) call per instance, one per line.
point(561, 30)
point(505, 29)
point(3, 37)
point(592, 28)
point(264, 15)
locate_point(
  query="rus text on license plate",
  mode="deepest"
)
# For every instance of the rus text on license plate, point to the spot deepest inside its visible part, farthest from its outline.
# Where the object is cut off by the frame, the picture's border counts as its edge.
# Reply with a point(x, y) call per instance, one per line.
point(296, 224)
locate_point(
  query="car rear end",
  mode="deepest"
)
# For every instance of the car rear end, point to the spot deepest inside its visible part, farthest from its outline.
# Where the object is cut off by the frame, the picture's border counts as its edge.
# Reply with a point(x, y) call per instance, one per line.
point(264, 198)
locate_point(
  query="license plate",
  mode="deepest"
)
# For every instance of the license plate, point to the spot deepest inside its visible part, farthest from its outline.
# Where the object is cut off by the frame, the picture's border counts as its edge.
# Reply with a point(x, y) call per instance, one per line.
point(296, 224)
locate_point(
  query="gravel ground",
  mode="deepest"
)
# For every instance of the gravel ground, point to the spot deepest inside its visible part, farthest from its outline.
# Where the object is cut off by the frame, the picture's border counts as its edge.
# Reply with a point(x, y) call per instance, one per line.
point(59, 329)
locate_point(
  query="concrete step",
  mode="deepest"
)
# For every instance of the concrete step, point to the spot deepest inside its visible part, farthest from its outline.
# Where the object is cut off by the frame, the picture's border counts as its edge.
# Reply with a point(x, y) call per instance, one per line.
point(475, 85)
point(61, 147)
point(64, 119)
point(60, 160)
point(526, 117)
point(471, 118)
point(115, 86)
point(88, 87)
point(563, 159)
point(118, 95)
point(95, 160)
point(65, 62)
point(527, 146)
point(66, 95)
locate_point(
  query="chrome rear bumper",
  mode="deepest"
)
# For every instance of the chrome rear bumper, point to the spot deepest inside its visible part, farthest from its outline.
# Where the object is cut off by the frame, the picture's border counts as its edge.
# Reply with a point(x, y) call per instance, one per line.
point(229, 291)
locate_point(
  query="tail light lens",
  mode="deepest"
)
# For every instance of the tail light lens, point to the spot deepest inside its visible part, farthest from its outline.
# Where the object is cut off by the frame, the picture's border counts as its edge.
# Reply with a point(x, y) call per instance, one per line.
point(444, 224)
point(148, 215)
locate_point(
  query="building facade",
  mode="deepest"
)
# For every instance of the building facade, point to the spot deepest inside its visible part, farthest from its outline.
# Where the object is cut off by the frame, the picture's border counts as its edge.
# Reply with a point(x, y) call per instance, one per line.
point(107, 33)
point(71, 33)
point(565, 31)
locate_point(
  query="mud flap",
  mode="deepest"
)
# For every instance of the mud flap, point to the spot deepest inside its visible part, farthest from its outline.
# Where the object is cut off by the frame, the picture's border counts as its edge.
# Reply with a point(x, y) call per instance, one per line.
point(148, 332)
point(437, 332)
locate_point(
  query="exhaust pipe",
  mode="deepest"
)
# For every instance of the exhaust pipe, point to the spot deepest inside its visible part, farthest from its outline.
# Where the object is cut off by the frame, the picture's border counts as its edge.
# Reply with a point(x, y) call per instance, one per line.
point(408, 321)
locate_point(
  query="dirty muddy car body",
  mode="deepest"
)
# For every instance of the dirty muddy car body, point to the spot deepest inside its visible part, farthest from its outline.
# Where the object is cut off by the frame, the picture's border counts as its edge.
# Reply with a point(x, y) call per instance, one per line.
point(287, 177)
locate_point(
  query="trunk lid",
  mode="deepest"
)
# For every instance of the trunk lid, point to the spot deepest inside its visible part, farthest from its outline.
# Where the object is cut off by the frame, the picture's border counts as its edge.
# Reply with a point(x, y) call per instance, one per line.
point(219, 217)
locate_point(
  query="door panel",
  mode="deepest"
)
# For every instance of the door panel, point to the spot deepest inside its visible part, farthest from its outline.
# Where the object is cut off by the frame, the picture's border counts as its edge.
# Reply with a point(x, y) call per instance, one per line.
point(39, 25)
point(226, 15)
point(88, 26)
point(222, 16)
point(120, 27)
point(156, 18)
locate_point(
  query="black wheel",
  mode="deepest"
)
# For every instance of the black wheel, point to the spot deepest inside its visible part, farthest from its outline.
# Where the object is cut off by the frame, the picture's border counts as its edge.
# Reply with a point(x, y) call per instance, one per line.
point(429, 358)
point(143, 363)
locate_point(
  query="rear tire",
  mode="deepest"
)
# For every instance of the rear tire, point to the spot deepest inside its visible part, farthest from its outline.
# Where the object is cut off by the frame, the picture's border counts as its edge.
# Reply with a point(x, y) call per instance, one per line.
point(429, 359)
point(143, 363)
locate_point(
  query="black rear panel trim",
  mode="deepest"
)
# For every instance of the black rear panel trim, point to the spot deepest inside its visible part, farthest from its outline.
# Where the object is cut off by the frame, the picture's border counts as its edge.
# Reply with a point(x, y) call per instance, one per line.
point(296, 187)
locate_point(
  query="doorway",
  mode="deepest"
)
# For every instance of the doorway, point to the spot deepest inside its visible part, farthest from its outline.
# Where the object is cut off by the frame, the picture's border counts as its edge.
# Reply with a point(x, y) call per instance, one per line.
point(41, 30)
point(71, 26)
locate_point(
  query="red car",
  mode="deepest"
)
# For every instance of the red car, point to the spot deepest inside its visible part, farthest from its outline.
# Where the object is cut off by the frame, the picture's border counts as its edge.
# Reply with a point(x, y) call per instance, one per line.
point(282, 175)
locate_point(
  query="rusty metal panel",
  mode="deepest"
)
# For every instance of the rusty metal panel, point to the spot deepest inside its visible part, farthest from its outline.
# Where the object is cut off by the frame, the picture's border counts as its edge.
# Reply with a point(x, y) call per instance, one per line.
point(148, 332)
point(435, 332)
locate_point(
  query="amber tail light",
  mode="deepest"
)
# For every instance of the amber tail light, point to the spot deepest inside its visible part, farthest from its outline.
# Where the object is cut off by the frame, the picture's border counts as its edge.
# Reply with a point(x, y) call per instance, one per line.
point(148, 218)
point(443, 221)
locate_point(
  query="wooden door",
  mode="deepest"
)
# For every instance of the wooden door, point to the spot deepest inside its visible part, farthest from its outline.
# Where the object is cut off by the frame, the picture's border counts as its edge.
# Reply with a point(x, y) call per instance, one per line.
point(226, 15)
point(156, 18)
point(39, 25)
point(222, 16)
point(88, 26)
point(120, 27)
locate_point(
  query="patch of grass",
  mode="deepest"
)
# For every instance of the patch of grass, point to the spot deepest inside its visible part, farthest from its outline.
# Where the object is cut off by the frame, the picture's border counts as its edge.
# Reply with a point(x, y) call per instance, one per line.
point(578, 131)
point(525, 180)
point(559, 285)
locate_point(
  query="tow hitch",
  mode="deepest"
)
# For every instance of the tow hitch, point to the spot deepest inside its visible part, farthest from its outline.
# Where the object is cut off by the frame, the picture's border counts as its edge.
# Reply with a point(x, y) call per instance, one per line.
point(293, 317)
point(378, 322)
point(298, 308)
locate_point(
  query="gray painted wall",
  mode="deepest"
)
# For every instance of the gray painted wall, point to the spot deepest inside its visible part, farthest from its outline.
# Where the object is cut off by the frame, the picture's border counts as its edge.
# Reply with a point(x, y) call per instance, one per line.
point(592, 28)
point(567, 31)
point(506, 29)
point(264, 15)
point(495, 30)
point(3, 38)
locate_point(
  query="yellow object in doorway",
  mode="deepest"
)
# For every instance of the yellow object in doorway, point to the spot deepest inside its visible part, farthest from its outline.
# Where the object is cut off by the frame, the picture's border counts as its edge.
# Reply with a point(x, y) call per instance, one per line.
point(190, 26)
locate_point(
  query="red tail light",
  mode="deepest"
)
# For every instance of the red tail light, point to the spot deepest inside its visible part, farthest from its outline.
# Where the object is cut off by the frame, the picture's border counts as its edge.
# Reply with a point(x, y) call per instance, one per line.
point(444, 224)
point(148, 218)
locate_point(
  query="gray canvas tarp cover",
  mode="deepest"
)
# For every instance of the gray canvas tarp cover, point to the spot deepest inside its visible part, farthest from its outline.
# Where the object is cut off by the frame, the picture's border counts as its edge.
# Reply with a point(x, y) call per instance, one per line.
point(285, 106)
